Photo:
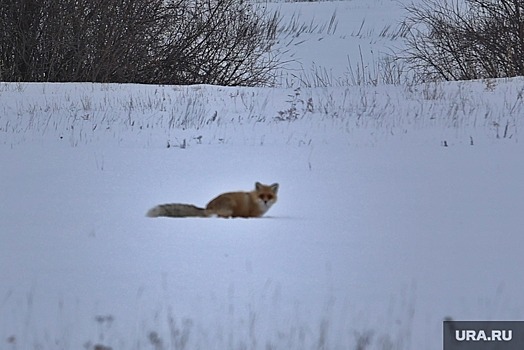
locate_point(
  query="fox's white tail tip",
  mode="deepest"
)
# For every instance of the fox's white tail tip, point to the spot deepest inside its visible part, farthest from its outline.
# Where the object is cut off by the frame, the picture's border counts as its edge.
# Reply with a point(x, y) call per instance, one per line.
point(154, 212)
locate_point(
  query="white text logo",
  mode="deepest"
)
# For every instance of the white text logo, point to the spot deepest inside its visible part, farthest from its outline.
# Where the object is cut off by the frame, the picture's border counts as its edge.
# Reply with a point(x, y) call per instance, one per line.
point(494, 335)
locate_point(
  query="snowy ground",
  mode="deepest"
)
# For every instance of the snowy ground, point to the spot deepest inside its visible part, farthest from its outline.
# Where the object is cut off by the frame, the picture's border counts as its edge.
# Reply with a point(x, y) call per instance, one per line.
point(398, 206)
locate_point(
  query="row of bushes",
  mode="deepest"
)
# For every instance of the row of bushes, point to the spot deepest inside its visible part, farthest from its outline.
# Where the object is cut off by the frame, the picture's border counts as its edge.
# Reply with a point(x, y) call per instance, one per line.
point(225, 42)
point(230, 42)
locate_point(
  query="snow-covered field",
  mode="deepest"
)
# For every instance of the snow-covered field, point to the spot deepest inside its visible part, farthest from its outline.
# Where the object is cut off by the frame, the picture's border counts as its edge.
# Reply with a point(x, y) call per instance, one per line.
point(399, 205)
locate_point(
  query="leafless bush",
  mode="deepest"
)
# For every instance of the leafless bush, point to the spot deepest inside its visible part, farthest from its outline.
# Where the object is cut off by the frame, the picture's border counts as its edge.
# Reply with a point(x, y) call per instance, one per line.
point(223, 42)
point(466, 39)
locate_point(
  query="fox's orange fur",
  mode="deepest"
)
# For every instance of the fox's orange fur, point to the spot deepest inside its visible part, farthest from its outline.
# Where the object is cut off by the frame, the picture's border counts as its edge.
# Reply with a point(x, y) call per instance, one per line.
point(252, 204)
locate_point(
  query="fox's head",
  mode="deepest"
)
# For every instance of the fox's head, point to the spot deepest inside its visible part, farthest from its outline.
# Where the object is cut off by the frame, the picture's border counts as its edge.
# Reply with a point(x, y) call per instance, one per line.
point(266, 195)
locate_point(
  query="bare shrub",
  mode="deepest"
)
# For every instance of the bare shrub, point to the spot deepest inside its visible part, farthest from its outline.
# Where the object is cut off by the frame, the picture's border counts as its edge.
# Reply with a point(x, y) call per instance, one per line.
point(223, 42)
point(466, 39)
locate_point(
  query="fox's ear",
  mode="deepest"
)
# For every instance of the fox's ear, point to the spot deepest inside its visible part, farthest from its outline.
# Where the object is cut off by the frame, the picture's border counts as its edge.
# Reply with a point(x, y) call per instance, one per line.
point(257, 186)
point(274, 187)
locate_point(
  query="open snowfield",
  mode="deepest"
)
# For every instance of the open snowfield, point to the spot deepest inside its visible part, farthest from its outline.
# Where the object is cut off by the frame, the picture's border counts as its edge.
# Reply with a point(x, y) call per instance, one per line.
point(399, 205)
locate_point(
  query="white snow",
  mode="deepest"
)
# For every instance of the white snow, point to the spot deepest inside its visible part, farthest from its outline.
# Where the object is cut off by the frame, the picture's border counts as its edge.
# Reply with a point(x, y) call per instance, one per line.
point(398, 206)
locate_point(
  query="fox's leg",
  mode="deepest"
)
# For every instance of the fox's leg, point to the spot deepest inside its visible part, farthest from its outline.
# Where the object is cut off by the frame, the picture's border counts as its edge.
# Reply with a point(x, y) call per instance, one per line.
point(221, 206)
point(224, 213)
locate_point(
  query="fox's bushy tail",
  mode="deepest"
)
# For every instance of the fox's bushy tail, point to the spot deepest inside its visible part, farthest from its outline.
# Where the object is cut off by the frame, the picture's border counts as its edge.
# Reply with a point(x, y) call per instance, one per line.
point(176, 210)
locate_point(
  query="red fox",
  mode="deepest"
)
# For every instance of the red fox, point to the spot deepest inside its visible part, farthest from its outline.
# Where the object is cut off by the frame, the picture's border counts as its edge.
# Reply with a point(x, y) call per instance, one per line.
point(252, 204)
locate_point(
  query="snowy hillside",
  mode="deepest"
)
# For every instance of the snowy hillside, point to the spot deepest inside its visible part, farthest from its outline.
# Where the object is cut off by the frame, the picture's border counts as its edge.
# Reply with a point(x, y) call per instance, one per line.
point(399, 205)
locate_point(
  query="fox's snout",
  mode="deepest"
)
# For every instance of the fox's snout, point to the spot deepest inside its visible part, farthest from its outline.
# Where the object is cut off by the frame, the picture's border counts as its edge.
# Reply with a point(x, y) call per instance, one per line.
point(266, 198)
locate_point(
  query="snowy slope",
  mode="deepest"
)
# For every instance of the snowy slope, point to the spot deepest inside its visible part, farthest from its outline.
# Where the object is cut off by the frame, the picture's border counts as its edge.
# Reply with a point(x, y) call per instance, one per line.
point(398, 206)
